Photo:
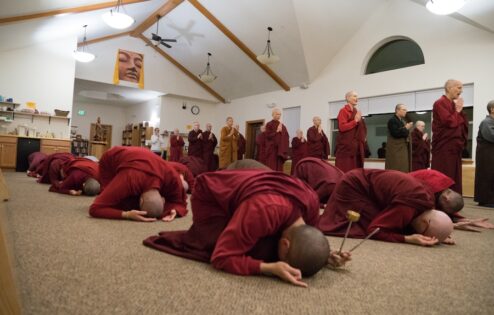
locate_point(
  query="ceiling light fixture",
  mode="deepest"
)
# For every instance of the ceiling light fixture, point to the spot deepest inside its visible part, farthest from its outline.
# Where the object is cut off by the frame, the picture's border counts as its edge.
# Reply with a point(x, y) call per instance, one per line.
point(207, 75)
point(268, 57)
point(116, 19)
point(81, 54)
point(444, 7)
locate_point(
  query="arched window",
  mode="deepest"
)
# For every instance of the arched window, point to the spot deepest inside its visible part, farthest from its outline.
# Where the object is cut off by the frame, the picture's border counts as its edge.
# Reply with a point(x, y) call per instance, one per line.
point(396, 54)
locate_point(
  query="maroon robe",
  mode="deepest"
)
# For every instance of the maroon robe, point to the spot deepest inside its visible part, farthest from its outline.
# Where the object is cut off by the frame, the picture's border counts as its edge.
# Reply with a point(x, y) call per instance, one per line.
point(319, 175)
point(350, 145)
point(76, 172)
point(421, 151)
point(241, 146)
point(194, 164)
point(34, 160)
point(385, 199)
point(176, 148)
point(186, 173)
point(450, 132)
point(238, 217)
point(52, 165)
point(195, 144)
point(299, 151)
point(276, 146)
point(208, 147)
point(484, 168)
point(318, 143)
point(260, 147)
point(126, 173)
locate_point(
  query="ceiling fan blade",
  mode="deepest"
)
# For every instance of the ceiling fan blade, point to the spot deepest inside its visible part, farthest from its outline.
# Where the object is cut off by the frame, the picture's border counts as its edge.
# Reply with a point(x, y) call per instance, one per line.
point(169, 40)
point(165, 44)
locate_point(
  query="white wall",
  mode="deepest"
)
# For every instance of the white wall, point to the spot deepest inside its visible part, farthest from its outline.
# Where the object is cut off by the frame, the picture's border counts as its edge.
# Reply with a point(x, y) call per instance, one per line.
point(452, 49)
point(145, 111)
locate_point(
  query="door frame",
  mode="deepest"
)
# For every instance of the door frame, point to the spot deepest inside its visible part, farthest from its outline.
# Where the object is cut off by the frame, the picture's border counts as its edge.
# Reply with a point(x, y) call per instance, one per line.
point(250, 141)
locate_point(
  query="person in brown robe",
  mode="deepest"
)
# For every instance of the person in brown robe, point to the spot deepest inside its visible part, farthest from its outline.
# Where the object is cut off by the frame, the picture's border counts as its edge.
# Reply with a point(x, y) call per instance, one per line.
point(35, 161)
point(52, 165)
point(247, 164)
point(352, 135)
point(194, 164)
point(241, 144)
point(228, 144)
point(195, 141)
point(252, 222)
point(484, 167)
point(450, 133)
point(176, 146)
point(398, 143)
point(299, 149)
point(421, 147)
point(208, 146)
point(317, 141)
point(260, 145)
point(277, 142)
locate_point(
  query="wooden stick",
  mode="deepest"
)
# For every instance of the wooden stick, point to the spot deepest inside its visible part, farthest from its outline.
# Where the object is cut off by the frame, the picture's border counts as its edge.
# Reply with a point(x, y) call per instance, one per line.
point(346, 235)
point(365, 239)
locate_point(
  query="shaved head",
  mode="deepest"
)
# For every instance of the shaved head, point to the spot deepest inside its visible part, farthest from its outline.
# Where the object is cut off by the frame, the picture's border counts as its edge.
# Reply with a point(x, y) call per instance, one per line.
point(433, 223)
point(453, 89)
point(352, 98)
point(91, 187)
point(276, 113)
point(247, 164)
point(152, 203)
point(450, 201)
point(308, 251)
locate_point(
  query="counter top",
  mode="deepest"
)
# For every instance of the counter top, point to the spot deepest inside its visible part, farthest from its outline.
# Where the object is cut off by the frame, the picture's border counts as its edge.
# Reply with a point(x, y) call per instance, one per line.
point(17, 136)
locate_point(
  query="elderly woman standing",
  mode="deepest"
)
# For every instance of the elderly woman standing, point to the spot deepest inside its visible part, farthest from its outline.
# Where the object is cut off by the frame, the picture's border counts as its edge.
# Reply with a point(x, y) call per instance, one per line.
point(228, 144)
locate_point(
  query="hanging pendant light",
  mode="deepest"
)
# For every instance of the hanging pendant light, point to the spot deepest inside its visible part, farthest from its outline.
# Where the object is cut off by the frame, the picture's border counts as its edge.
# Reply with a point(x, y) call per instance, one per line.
point(444, 7)
point(117, 19)
point(81, 54)
point(268, 56)
point(207, 75)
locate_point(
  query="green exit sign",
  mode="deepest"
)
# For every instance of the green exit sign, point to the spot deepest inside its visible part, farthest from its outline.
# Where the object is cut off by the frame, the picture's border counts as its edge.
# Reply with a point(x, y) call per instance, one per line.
point(81, 112)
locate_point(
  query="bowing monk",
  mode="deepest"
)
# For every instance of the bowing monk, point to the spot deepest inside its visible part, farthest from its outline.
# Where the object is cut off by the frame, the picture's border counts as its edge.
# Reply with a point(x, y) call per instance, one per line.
point(450, 130)
point(176, 146)
point(398, 145)
point(35, 161)
point(421, 147)
point(228, 144)
point(318, 143)
point(195, 141)
point(188, 179)
point(79, 176)
point(396, 203)
point(319, 175)
point(352, 134)
point(250, 222)
point(138, 185)
point(260, 155)
point(299, 149)
point(276, 143)
point(247, 164)
point(50, 171)
point(208, 146)
point(484, 170)
point(241, 144)
point(194, 164)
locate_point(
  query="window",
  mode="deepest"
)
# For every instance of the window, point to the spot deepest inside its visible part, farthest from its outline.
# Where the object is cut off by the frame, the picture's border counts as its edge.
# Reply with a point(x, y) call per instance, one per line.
point(396, 54)
point(291, 119)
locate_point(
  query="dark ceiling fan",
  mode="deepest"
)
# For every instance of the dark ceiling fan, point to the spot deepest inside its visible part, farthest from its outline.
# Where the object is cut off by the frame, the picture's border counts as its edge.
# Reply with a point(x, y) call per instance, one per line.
point(157, 40)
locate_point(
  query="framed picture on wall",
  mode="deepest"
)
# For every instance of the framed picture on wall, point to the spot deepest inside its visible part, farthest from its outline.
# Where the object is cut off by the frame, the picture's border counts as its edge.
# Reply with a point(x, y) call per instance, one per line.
point(129, 67)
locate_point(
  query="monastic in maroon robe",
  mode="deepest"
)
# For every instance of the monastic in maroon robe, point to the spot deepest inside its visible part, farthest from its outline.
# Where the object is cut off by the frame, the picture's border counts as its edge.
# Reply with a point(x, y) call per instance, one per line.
point(126, 173)
point(185, 172)
point(208, 146)
point(34, 160)
point(319, 175)
point(241, 146)
point(76, 172)
point(238, 217)
point(276, 146)
point(299, 151)
point(350, 145)
point(260, 147)
point(484, 168)
point(421, 151)
point(176, 148)
point(194, 164)
point(52, 166)
point(385, 199)
point(450, 133)
point(195, 144)
point(318, 143)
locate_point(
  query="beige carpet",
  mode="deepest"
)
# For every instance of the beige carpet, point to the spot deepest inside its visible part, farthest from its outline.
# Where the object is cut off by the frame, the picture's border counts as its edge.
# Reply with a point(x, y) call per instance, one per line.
point(68, 263)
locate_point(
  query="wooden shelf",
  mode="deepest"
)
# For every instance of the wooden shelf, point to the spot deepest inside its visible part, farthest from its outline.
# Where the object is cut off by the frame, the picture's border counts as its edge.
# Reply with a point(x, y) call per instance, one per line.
point(9, 104)
point(50, 117)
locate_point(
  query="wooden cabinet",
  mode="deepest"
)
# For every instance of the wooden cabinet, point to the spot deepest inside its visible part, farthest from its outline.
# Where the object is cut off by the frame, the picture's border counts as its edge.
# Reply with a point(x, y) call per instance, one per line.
point(8, 152)
point(50, 146)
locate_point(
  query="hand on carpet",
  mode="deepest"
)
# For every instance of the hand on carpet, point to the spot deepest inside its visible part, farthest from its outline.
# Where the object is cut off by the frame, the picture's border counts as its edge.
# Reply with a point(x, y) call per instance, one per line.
point(337, 259)
point(75, 192)
point(170, 217)
point(449, 241)
point(471, 224)
point(137, 215)
point(422, 240)
point(283, 271)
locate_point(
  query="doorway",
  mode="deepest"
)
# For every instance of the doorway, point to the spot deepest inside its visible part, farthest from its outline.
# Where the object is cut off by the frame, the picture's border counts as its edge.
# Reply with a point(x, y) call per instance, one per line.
point(252, 129)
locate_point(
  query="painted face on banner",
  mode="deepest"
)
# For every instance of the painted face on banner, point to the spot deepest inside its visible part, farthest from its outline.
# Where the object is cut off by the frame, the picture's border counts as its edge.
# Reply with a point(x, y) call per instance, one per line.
point(129, 65)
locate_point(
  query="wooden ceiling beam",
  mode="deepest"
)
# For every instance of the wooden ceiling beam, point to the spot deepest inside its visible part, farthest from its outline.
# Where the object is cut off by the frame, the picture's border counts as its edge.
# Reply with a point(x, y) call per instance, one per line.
point(81, 9)
point(183, 69)
point(101, 39)
point(162, 11)
point(239, 43)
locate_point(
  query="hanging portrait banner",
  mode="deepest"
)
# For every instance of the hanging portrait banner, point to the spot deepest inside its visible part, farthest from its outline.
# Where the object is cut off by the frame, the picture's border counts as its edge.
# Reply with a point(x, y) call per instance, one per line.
point(129, 67)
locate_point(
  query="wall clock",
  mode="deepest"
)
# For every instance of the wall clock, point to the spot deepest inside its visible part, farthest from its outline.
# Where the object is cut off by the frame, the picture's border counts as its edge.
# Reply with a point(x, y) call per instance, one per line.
point(195, 110)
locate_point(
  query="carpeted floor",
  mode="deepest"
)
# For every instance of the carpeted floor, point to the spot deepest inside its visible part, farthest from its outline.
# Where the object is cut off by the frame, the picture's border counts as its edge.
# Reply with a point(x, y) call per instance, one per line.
point(68, 263)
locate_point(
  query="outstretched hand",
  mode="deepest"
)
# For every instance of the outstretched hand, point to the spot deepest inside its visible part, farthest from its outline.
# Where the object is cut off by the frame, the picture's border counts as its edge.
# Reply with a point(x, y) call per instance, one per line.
point(462, 224)
point(422, 240)
point(449, 241)
point(137, 215)
point(75, 192)
point(170, 217)
point(338, 259)
point(284, 271)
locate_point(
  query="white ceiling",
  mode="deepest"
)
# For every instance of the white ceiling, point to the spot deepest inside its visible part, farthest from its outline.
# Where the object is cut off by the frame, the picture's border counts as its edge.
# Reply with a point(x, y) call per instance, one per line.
point(307, 34)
